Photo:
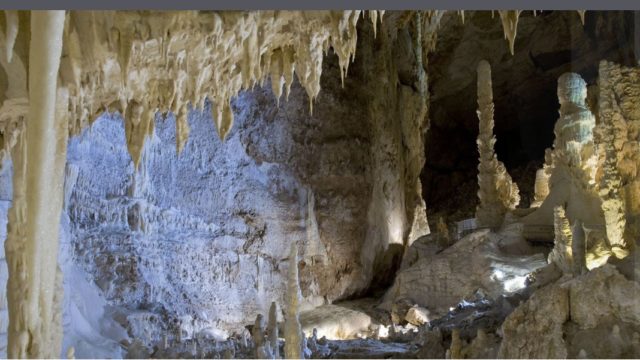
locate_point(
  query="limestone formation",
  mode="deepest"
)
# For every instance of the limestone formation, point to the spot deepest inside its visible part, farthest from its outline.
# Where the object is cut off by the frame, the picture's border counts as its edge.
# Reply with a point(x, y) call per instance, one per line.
point(258, 336)
point(562, 253)
point(579, 316)
point(272, 330)
point(497, 193)
point(541, 190)
point(526, 335)
point(417, 315)
point(38, 180)
point(293, 347)
point(572, 163)
point(477, 261)
point(617, 135)
point(578, 248)
point(509, 20)
point(483, 346)
point(442, 233)
point(598, 250)
point(350, 190)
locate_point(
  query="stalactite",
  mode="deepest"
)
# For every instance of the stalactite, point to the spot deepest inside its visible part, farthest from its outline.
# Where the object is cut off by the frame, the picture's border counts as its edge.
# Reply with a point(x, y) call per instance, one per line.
point(292, 330)
point(33, 246)
point(582, 13)
point(165, 61)
point(497, 192)
point(509, 20)
point(374, 20)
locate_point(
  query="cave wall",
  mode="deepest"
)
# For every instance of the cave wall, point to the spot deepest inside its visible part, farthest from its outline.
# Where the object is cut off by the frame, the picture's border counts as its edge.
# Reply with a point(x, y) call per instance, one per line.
point(197, 240)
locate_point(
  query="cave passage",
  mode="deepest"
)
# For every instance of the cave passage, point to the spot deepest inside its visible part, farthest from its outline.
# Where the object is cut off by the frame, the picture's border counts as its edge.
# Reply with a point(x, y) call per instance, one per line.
point(524, 86)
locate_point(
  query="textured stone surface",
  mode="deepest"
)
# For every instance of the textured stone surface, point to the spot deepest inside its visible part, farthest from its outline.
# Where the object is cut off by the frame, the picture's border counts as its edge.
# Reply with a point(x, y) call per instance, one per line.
point(601, 305)
point(478, 261)
point(497, 191)
point(198, 240)
point(534, 329)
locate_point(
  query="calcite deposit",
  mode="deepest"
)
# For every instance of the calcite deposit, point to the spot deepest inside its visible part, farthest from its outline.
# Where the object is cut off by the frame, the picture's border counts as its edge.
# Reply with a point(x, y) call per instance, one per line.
point(498, 193)
point(249, 184)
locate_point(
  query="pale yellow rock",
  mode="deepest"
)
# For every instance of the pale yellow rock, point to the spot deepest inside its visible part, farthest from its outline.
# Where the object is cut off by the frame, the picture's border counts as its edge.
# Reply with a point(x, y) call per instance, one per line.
point(32, 246)
point(11, 19)
point(562, 253)
point(572, 164)
point(455, 350)
point(497, 191)
point(509, 20)
point(417, 315)
point(618, 137)
point(534, 329)
point(595, 304)
point(292, 330)
point(541, 187)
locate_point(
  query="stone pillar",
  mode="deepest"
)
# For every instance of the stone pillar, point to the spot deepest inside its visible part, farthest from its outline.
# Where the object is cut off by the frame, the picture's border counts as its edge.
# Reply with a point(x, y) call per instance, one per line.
point(497, 192)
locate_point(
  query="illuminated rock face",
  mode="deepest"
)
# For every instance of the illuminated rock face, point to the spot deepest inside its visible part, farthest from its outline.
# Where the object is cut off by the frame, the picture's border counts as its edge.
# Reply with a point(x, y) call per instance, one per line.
point(186, 235)
point(618, 133)
point(578, 315)
point(572, 164)
point(203, 234)
point(477, 261)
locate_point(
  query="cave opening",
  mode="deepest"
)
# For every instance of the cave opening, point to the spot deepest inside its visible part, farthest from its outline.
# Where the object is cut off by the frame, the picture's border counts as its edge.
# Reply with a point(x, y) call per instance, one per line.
point(524, 85)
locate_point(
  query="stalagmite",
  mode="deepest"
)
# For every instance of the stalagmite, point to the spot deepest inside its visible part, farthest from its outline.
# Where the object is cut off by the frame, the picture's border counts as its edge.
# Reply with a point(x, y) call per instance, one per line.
point(292, 330)
point(572, 164)
point(578, 248)
point(32, 248)
point(562, 253)
point(442, 233)
point(272, 329)
point(315, 251)
point(541, 186)
point(257, 334)
point(497, 192)
point(71, 353)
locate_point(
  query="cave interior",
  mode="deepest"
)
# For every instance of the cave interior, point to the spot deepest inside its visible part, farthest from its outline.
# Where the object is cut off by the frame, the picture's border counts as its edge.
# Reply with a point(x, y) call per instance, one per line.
point(326, 184)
